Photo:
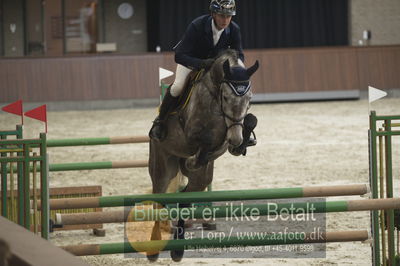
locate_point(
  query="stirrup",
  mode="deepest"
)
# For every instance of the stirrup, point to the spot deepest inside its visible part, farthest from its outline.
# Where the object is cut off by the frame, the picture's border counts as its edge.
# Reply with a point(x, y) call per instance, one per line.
point(251, 142)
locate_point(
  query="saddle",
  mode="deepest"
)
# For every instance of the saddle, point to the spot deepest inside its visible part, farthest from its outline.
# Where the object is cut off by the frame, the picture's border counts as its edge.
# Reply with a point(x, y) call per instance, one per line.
point(184, 98)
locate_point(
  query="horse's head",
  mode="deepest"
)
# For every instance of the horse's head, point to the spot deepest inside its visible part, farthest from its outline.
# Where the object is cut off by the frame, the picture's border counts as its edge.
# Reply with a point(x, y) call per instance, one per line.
point(235, 94)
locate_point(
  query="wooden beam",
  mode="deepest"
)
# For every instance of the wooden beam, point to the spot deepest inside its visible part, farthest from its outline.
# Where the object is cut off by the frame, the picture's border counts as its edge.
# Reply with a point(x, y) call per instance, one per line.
point(25, 248)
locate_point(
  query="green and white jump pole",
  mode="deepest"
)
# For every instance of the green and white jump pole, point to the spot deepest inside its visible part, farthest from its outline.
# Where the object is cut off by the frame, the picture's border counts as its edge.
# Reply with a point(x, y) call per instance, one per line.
point(209, 196)
point(58, 167)
point(163, 245)
point(96, 141)
point(249, 210)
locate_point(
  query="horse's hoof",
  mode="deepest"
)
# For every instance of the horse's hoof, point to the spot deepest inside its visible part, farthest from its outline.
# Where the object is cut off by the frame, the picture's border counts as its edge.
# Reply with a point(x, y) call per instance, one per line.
point(177, 255)
point(209, 226)
point(153, 257)
point(234, 151)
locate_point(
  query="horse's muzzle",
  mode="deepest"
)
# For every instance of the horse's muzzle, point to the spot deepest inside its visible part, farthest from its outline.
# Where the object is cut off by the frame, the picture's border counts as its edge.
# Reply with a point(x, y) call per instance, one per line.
point(235, 143)
point(234, 135)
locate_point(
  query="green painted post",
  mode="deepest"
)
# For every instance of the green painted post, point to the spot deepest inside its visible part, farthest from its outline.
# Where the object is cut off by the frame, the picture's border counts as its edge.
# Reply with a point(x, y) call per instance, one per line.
point(26, 186)
point(374, 188)
point(20, 177)
point(4, 181)
point(23, 161)
point(389, 190)
point(44, 187)
point(388, 133)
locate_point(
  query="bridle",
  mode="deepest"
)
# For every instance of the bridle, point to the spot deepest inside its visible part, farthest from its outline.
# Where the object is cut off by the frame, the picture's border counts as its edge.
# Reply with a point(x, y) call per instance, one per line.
point(240, 88)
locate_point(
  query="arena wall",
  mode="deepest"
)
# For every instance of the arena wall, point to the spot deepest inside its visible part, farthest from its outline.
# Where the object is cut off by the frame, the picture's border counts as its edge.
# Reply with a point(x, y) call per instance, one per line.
point(283, 72)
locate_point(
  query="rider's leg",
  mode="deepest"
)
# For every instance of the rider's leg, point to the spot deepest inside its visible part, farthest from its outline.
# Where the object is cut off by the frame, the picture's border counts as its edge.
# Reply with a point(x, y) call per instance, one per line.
point(158, 130)
point(181, 75)
point(249, 123)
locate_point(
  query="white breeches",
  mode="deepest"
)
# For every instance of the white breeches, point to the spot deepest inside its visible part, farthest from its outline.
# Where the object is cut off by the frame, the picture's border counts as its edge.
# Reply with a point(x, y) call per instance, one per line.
point(181, 76)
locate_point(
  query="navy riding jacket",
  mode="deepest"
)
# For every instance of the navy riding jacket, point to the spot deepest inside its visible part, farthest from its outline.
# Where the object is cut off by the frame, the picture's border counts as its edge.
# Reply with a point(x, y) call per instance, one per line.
point(197, 43)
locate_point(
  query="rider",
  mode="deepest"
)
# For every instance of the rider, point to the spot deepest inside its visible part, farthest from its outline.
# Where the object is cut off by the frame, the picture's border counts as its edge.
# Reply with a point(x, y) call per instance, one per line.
point(204, 38)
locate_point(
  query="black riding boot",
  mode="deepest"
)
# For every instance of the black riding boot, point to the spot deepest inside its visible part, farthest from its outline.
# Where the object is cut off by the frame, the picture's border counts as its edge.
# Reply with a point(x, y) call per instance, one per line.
point(159, 129)
point(249, 123)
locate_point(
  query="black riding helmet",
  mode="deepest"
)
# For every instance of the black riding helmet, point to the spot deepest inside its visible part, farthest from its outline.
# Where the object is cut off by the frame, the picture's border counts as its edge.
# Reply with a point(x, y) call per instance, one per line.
point(223, 7)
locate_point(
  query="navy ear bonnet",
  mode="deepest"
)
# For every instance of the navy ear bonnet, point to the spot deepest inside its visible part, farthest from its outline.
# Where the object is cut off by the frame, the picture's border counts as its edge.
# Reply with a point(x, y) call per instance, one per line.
point(237, 78)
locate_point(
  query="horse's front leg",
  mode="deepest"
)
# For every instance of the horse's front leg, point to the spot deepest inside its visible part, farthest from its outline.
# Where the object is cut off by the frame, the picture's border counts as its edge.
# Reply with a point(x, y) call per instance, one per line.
point(152, 255)
point(203, 156)
point(197, 181)
point(198, 160)
point(179, 233)
point(163, 167)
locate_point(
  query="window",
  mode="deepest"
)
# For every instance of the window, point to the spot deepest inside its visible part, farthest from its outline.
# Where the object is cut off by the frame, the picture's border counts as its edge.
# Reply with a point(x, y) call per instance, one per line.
point(80, 26)
point(34, 28)
point(71, 27)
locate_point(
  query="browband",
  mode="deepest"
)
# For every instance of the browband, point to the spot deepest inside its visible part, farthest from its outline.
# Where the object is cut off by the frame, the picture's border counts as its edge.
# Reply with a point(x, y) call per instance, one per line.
point(240, 88)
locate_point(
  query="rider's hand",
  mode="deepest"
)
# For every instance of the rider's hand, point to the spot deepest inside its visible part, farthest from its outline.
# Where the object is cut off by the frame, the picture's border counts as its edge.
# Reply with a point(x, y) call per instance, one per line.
point(207, 63)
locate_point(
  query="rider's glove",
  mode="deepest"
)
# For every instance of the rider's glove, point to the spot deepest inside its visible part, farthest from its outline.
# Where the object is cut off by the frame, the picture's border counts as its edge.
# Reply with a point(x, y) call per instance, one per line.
point(207, 63)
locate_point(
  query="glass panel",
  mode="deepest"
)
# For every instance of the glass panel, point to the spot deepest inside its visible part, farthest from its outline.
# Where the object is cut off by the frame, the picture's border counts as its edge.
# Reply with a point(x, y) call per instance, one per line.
point(13, 27)
point(34, 27)
point(125, 25)
point(80, 26)
point(54, 28)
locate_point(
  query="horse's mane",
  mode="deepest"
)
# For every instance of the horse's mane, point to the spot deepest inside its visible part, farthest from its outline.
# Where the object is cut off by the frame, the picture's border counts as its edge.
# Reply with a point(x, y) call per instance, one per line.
point(217, 69)
point(228, 53)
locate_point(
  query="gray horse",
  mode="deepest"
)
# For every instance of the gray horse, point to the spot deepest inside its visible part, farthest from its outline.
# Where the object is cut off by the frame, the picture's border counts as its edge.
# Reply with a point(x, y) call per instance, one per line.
point(209, 125)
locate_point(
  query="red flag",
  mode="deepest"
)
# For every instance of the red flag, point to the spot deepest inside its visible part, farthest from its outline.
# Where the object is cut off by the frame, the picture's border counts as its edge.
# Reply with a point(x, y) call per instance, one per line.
point(14, 108)
point(38, 113)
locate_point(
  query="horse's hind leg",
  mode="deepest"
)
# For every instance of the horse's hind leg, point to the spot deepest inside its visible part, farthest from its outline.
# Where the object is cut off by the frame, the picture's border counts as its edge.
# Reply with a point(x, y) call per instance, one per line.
point(198, 181)
point(162, 168)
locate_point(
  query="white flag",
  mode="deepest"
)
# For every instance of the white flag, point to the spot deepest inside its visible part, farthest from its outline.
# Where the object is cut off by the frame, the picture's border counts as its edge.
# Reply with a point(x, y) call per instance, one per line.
point(375, 94)
point(164, 73)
